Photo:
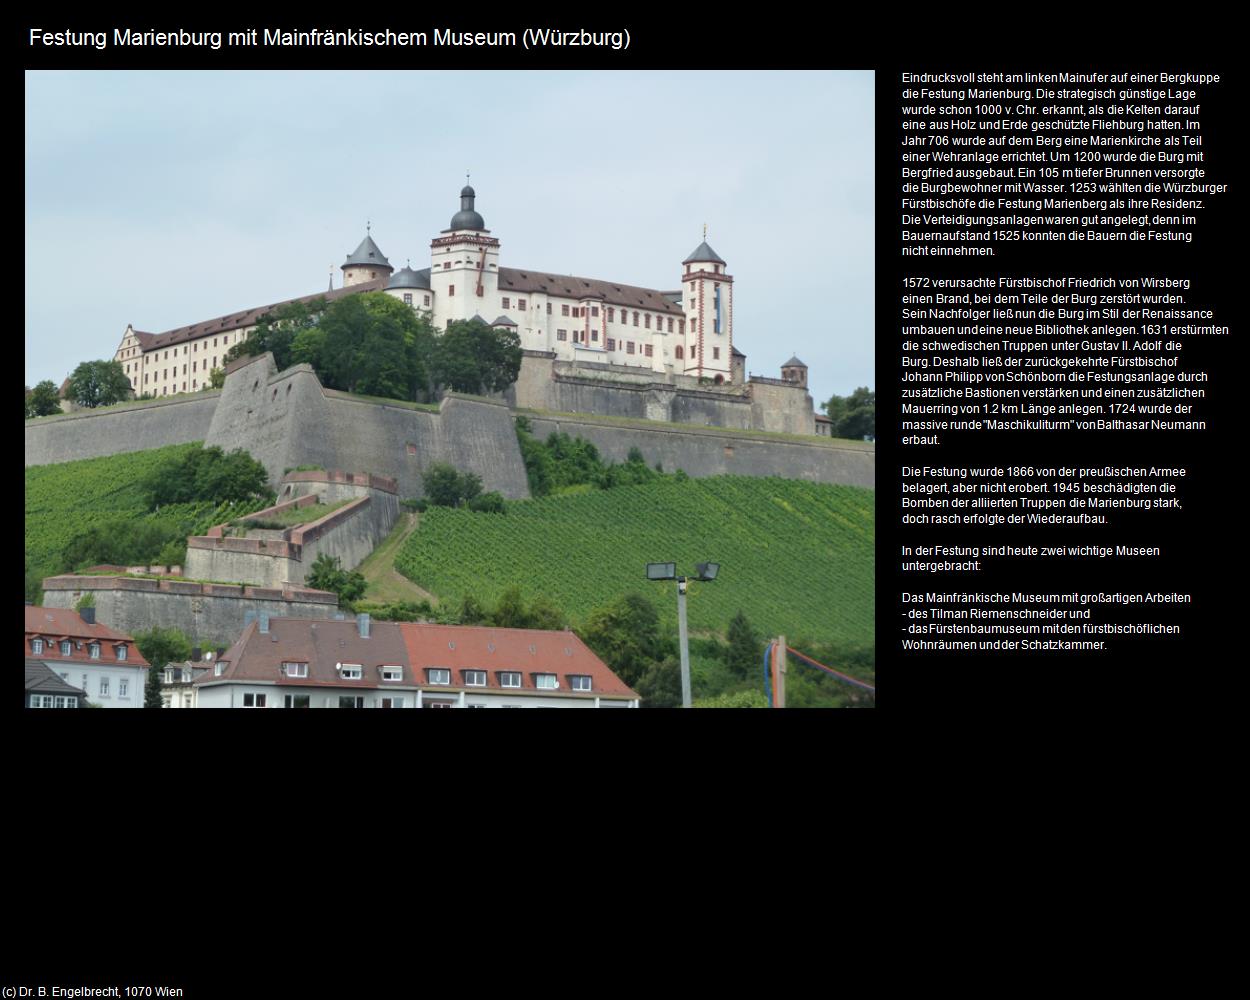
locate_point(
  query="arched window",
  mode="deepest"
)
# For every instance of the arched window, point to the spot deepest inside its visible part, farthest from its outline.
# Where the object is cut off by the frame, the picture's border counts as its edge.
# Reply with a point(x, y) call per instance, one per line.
point(679, 352)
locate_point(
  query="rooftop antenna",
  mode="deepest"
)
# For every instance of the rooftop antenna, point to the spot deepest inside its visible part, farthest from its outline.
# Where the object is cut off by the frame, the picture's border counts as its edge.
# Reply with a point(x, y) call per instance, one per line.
point(367, 225)
point(331, 277)
point(705, 232)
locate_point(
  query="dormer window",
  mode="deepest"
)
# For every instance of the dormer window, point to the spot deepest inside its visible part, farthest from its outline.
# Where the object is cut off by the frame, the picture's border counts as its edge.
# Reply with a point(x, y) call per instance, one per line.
point(36, 646)
point(439, 675)
point(293, 669)
point(509, 679)
point(546, 681)
point(392, 673)
point(121, 652)
point(219, 669)
point(475, 678)
point(348, 671)
point(94, 649)
point(66, 648)
point(579, 682)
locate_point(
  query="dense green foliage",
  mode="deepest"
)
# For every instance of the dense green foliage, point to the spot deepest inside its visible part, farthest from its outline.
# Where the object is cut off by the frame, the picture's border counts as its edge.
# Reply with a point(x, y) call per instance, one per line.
point(43, 400)
point(98, 383)
point(445, 487)
point(853, 416)
point(796, 557)
point(561, 463)
point(745, 647)
point(72, 498)
point(475, 358)
point(204, 474)
point(328, 574)
point(160, 647)
point(277, 332)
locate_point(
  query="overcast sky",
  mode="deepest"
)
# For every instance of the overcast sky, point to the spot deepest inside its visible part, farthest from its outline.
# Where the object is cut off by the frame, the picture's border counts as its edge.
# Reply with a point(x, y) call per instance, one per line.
point(163, 199)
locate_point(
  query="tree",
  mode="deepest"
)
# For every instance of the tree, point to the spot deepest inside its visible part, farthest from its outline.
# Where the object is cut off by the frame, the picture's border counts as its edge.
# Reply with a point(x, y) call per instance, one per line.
point(445, 487)
point(276, 332)
point(207, 474)
point(471, 611)
point(744, 653)
point(99, 383)
point(853, 416)
point(626, 636)
point(660, 684)
point(475, 358)
point(43, 400)
point(152, 690)
point(160, 647)
point(328, 574)
point(373, 344)
point(510, 611)
point(216, 379)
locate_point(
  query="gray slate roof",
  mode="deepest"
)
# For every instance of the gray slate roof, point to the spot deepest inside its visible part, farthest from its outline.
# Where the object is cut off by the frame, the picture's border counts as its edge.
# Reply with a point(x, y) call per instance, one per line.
point(571, 287)
point(42, 678)
point(703, 252)
point(367, 253)
point(794, 363)
point(503, 321)
point(406, 277)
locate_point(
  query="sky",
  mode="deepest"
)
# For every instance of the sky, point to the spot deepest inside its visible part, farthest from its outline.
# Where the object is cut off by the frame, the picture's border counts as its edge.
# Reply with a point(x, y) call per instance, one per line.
point(167, 198)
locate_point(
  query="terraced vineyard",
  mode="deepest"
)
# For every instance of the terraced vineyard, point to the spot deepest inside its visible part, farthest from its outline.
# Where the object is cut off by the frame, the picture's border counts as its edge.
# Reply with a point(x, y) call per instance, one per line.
point(797, 557)
point(65, 499)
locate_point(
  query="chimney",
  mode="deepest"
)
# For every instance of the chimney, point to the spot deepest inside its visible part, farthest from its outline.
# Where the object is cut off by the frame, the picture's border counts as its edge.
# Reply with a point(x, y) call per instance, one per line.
point(197, 654)
point(220, 651)
point(263, 618)
point(88, 615)
point(362, 625)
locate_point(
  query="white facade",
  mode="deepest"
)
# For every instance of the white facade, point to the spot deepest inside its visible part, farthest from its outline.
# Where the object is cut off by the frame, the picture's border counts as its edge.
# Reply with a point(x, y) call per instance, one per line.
point(254, 694)
point(108, 684)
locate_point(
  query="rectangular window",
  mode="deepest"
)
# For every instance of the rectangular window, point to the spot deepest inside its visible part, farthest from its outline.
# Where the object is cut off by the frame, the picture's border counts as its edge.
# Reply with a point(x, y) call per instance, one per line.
point(295, 669)
point(214, 360)
point(546, 682)
point(41, 701)
point(520, 304)
point(392, 702)
point(392, 673)
point(629, 347)
point(505, 302)
point(594, 335)
point(548, 308)
point(121, 652)
point(446, 265)
point(407, 298)
point(715, 353)
point(579, 682)
point(647, 350)
point(351, 701)
point(594, 311)
point(681, 326)
point(253, 700)
point(184, 369)
point(670, 324)
point(195, 347)
point(350, 671)
point(509, 680)
point(36, 646)
point(564, 310)
point(218, 669)
point(104, 687)
point(427, 300)
point(475, 678)
point(451, 290)
point(194, 383)
point(123, 688)
point(214, 344)
point(611, 344)
point(438, 675)
point(694, 325)
point(646, 321)
point(562, 335)
point(145, 378)
point(66, 648)
point(65, 701)
point(635, 319)
point(611, 315)
point(296, 701)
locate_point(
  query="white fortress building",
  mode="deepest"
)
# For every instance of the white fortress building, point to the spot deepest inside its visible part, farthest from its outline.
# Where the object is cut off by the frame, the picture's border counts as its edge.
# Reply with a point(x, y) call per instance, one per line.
point(685, 331)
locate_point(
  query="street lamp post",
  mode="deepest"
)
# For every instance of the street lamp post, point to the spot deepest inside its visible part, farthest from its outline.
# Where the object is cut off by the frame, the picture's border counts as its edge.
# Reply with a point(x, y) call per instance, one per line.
point(668, 571)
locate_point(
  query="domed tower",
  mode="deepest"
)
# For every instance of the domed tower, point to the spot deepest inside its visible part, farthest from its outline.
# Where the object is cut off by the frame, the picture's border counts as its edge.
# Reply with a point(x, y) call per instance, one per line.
point(411, 286)
point(707, 293)
point(464, 266)
point(795, 371)
point(365, 263)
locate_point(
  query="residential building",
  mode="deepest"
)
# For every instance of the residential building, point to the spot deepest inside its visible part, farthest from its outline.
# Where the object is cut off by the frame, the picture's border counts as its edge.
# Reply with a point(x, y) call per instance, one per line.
point(104, 664)
point(45, 689)
point(177, 689)
point(302, 663)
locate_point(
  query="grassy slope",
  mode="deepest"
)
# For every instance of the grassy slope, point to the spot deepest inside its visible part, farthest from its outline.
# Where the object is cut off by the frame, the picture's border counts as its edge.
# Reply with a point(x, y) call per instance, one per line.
point(797, 557)
point(385, 584)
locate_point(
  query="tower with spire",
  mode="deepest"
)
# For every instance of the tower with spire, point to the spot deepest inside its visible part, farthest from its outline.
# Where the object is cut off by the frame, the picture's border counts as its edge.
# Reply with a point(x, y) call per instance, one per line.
point(366, 262)
point(464, 264)
point(707, 298)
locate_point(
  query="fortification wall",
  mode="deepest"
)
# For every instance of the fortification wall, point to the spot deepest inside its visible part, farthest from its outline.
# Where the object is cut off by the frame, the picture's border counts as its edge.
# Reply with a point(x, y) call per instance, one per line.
point(782, 407)
point(130, 427)
point(214, 611)
point(712, 452)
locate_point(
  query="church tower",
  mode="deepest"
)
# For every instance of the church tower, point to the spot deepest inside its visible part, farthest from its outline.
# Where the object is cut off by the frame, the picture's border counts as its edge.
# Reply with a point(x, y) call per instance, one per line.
point(464, 266)
point(365, 263)
point(707, 299)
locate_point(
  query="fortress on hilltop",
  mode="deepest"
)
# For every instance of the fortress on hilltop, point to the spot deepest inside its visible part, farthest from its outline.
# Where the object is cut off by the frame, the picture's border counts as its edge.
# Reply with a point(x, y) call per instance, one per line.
point(590, 345)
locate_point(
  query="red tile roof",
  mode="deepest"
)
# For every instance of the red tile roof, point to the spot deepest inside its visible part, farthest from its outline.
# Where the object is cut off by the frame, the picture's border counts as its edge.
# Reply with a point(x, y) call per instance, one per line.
point(55, 624)
point(323, 645)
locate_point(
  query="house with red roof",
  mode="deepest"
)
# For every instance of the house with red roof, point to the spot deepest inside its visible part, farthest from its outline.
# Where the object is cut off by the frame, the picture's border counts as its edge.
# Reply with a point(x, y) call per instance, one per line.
point(302, 663)
point(93, 658)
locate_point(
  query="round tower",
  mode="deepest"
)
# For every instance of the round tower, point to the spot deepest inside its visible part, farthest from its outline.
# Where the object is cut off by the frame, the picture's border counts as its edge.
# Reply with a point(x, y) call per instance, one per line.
point(365, 263)
point(707, 294)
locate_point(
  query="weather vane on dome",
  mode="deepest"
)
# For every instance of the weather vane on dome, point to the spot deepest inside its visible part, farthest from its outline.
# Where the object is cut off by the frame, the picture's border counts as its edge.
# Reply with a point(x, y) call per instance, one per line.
point(705, 232)
point(368, 224)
